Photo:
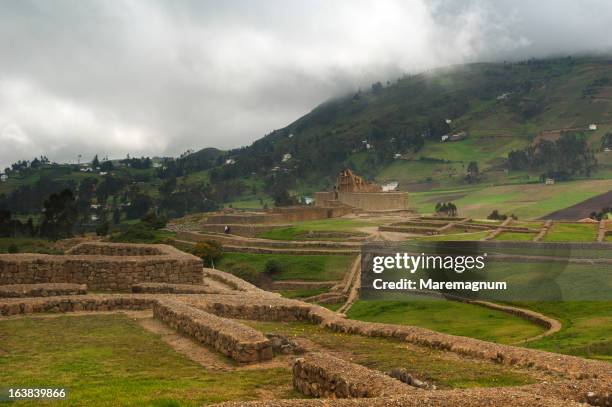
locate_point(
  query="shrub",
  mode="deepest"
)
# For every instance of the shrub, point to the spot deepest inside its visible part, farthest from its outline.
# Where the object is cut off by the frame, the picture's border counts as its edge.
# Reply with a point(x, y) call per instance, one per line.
point(137, 233)
point(102, 229)
point(246, 272)
point(13, 248)
point(156, 222)
point(273, 267)
point(495, 215)
point(209, 251)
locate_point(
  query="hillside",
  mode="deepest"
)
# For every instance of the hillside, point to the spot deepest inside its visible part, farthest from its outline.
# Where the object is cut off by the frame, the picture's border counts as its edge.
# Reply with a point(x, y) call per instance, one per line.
point(391, 131)
point(502, 107)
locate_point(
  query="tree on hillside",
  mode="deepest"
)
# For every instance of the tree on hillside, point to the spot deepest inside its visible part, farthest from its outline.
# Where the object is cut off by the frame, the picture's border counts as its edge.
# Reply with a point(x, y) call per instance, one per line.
point(60, 215)
point(472, 172)
point(95, 162)
point(106, 166)
point(139, 205)
point(446, 209)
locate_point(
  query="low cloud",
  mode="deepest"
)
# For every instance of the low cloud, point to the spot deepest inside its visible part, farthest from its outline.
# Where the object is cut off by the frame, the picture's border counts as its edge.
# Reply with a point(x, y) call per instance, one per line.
point(161, 77)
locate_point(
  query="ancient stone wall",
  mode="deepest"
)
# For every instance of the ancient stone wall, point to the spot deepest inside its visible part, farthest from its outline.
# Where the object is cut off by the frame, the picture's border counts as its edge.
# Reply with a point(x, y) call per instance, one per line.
point(41, 290)
point(118, 249)
point(375, 201)
point(166, 288)
point(74, 303)
point(322, 197)
point(103, 272)
point(323, 375)
point(303, 213)
point(240, 342)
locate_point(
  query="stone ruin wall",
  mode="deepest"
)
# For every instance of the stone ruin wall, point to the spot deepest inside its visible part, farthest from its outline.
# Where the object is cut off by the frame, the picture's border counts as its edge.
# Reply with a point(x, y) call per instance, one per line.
point(323, 375)
point(117, 249)
point(41, 290)
point(375, 201)
point(103, 266)
point(233, 339)
point(594, 384)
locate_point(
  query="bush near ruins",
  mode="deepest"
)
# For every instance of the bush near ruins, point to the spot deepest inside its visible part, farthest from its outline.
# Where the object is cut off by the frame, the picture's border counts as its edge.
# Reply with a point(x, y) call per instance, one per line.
point(495, 215)
point(136, 233)
point(103, 228)
point(155, 221)
point(209, 251)
point(273, 267)
point(246, 272)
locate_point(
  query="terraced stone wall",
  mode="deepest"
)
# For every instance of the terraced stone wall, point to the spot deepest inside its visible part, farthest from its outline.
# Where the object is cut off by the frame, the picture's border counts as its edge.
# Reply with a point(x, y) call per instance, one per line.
point(238, 341)
point(323, 375)
point(103, 266)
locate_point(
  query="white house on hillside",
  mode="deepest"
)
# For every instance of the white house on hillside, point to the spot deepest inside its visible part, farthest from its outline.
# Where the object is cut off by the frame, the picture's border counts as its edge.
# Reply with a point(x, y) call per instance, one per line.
point(390, 186)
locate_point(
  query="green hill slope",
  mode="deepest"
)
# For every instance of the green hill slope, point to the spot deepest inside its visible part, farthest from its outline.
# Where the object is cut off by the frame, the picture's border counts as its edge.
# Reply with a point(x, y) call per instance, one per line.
point(502, 107)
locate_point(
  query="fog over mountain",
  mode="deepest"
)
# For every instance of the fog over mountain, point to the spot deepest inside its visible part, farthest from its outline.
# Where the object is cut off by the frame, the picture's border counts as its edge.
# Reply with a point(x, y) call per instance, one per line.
point(160, 77)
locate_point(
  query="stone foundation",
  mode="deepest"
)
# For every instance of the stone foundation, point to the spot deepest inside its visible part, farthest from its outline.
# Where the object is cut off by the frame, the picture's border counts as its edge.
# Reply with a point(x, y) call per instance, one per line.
point(165, 288)
point(15, 306)
point(103, 266)
point(41, 290)
point(233, 339)
point(323, 375)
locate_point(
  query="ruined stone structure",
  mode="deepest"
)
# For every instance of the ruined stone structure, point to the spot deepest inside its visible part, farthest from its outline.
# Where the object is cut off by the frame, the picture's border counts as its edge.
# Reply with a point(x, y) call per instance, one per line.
point(353, 191)
point(346, 181)
point(41, 290)
point(103, 266)
point(210, 318)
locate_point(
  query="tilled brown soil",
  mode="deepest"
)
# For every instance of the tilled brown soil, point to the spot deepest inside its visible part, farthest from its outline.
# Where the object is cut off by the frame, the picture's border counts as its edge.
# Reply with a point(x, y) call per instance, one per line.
point(583, 209)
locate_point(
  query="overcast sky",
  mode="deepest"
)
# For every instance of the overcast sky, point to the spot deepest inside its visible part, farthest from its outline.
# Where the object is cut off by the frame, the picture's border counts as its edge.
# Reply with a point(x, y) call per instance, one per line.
point(159, 77)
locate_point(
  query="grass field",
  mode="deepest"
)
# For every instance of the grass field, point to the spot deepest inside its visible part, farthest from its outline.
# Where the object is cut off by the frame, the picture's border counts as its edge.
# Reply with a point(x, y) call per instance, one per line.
point(455, 236)
point(586, 328)
point(515, 236)
point(302, 293)
point(527, 201)
point(385, 354)
point(28, 245)
point(571, 232)
point(109, 360)
point(295, 267)
point(447, 316)
point(297, 231)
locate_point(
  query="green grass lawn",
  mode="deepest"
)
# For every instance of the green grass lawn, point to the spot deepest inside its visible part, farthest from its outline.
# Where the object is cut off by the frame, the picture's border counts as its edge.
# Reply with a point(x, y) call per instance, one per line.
point(455, 236)
point(28, 245)
point(446, 371)
point(109, 360)
point(296, 267)
point(571, 232)
point(515, 236)
point(447, 316)
point(302, 292)
point(586, 328)
point(297, 231)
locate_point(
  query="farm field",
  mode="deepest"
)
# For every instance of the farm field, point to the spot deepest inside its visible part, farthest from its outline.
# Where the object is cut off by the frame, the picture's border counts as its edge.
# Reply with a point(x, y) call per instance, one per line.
point(527, 201)
point(447, 316)
point(561, 232)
